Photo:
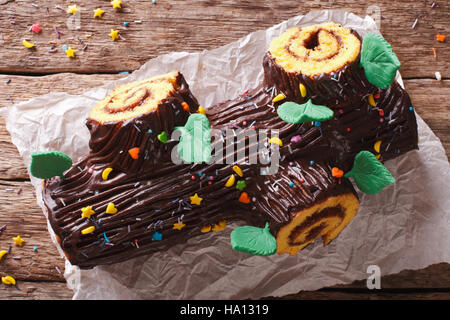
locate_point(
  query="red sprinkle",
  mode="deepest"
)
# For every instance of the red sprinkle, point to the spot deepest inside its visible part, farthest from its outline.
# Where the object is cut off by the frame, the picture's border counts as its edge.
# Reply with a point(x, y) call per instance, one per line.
point(377, 96)
point(341, 111)
point(302, 180)
point(381, 120)
point(348, 129)
point(193, 177)
point(381, 112)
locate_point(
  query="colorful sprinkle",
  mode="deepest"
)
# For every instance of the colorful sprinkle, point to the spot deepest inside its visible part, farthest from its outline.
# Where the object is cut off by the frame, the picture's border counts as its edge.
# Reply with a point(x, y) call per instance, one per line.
point(312, 162)
point(195, 199)
point(73, 9)
point(87, 212)
point(238, 171)
point(440, 37)
point(201, 110)
point(317, 123)
point(411, 108)
point(219, 226)
point(70, 53)
point(114, 34)
point(36, 28)
point(8, 280)
point(337, 173)
point(27, 44)
point(296, 139)
point(111, 208)
point(291, 184)
point(18, 241)
point(376, 146)
point(206, 229)
point(106, 173)
point(178, 226)
point(2, 253)
point(302, 90)
point(185, 106)
point(230, 181)
point(277, 141)
point(64, 47)
point(372, 101)
point(279, 97)
point(244, 198)
point(116, 4)
point(126, 24)
point(157, 236)
point(98, 13)
point(134, 153)
point(88, 230)
point(162, 137)
point(240, 185)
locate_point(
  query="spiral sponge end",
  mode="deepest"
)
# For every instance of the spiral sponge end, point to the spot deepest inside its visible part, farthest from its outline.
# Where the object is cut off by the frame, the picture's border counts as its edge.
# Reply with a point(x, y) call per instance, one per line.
point(325, 219)
point(316, 49)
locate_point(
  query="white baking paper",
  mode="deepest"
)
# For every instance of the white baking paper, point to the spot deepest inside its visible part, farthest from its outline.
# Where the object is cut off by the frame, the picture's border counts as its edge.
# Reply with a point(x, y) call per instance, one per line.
point(406, 226)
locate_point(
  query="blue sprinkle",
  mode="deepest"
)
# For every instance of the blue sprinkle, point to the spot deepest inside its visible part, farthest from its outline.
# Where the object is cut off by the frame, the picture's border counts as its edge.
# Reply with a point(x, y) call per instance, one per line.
point(124, 72)
point(200, 174)
point(317, 123)
point(106, 238)
point(312, 162)
point(410, 108)
point(64, 47)
point(157, 236)
point(35, 249)
point(150, 131)
point(154, 1)
point(126, 24)
point(291, 184)
point(335, 76)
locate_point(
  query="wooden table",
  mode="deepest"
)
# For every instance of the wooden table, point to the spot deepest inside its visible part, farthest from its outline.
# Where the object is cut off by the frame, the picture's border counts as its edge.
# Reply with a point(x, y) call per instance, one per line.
point(179, 25)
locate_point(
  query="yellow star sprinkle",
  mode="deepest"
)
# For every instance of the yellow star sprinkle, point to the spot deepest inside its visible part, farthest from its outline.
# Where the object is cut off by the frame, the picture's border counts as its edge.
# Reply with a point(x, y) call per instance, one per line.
point(72, 9)
point(9, 280)
point(18, 241)
point(70, 53)
point(179, 225)
point(114, 34)
point(117, 4)
point(220, 226)
point(87, 212)
point(195, 199)
point(98, 13)
point(201, 110)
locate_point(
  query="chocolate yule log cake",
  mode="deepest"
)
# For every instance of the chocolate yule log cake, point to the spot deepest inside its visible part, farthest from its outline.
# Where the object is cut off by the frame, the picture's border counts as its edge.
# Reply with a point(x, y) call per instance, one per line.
point(279, 160)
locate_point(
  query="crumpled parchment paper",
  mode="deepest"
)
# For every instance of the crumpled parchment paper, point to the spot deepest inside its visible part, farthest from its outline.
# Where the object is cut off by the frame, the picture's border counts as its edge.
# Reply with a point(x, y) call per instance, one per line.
point(406, 226)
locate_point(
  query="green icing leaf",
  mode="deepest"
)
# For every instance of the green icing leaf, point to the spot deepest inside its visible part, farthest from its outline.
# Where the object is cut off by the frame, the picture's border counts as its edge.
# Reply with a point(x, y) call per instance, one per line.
point(195, 140)
point(369, 174)
point(50, 164)
point(378, 60)
point(292, 112)
point(254, 240)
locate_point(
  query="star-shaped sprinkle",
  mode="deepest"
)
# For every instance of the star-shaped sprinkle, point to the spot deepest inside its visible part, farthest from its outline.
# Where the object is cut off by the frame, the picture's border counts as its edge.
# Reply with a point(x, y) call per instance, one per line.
point(219, 226)
point(240, 185)
point(98, 13)
point(18, 241)
point(87, 212)
point(114, 34)
point(70, 53)
point(36, 28)
point(180, 225)
point(195, 199)
point(157, 236)
point(116, 4)
point(73, 9)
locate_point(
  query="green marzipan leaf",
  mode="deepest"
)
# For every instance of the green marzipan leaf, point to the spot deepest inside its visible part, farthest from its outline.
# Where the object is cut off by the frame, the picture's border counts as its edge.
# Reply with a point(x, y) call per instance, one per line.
point(292, 112)
point(378, 60)
point(45, 165)
point(369, 174)
point(254, 240)
point(195, 139)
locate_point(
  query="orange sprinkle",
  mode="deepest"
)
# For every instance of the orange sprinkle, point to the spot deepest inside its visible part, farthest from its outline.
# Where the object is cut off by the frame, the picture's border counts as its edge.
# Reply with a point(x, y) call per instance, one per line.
point(244, 198)
point(134, 153)
point(440, 37)
point(434, 52)
point(185, 106)
point(336, 172)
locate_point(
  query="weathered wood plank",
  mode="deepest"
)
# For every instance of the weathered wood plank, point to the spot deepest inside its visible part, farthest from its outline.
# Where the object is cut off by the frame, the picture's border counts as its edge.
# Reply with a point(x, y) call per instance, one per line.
point(428, 96)
point(28, 290)
point(22, 216)
point(179, 25)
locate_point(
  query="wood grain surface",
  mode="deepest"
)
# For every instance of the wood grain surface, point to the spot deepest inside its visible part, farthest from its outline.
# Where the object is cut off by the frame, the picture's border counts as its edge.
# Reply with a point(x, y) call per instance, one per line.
point(178, 25)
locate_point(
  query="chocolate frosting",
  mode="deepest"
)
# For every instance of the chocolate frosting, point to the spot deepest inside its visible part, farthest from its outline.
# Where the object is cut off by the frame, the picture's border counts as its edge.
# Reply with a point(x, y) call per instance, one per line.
point(152, 193)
